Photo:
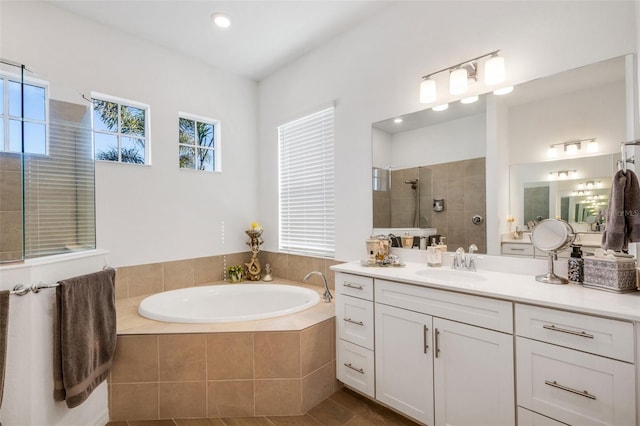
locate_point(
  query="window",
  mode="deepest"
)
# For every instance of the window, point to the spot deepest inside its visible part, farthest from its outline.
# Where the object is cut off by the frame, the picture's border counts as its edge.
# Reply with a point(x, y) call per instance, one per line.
point(199, 143)
point(306, 183)
point(35, 116)
point(120, 130)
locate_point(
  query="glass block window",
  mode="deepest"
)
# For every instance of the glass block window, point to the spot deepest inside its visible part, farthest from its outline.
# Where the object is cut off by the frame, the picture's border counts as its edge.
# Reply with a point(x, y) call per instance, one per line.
point(199, 143)
point(120, 130)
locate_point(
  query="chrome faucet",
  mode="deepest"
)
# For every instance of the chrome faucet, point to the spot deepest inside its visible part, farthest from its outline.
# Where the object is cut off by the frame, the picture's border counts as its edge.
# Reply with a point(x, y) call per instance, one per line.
point(470, 263)
point(466, 262)
point(327, 294)
point(459, 260)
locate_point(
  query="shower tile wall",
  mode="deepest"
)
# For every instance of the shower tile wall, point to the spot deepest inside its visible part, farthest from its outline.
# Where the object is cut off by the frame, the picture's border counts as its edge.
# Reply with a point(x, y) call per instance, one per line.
point(10, 208)
point(403, 198)
point(462, 186)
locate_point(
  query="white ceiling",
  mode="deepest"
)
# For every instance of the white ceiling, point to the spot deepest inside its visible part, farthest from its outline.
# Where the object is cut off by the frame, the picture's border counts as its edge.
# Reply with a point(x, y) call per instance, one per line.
point(264, 36)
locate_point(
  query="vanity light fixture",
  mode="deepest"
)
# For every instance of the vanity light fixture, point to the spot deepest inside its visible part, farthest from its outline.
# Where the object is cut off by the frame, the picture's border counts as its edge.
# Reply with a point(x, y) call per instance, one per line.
point(572, 147)
point(563, 174)
point(464, 73)
point(439, 108)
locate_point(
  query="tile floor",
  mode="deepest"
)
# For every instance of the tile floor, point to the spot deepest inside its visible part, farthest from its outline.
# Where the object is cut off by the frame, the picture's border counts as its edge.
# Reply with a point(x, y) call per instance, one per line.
point(343, 408)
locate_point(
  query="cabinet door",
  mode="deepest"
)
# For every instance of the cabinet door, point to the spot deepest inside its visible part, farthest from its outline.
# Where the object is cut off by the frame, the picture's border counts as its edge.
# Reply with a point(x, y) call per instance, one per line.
point(404, 362)
point(473, 375)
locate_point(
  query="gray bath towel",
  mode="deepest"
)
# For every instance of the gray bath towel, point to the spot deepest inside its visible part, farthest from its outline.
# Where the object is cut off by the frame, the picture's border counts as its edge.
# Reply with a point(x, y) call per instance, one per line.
point(85, 335)
point(4, 328)
point(623, 214)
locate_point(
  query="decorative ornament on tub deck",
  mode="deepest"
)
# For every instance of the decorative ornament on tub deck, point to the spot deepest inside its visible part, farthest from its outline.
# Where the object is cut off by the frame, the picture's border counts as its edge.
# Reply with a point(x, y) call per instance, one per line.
point(254, 270)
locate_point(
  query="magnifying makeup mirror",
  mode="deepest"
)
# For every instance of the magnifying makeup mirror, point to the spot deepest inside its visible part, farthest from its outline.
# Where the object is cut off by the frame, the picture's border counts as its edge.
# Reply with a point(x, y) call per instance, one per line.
point(552, 236)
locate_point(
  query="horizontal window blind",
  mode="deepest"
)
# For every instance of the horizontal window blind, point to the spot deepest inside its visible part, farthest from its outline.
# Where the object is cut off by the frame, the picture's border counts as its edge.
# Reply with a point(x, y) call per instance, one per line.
point(306, 183)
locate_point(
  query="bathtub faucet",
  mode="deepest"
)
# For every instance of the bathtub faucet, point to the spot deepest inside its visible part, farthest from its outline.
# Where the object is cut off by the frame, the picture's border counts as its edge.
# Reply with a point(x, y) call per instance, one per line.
point(327, 294)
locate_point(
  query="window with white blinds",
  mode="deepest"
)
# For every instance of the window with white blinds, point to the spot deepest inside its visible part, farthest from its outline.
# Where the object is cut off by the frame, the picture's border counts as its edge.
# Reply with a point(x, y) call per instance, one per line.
point(306, 183)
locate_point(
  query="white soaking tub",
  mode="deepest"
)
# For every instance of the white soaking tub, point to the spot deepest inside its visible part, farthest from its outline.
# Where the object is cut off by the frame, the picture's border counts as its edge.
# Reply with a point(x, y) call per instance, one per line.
point(227, 303)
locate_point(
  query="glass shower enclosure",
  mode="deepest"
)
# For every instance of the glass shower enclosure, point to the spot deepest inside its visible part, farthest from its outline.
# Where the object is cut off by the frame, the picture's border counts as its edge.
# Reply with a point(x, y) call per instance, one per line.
point(47, 179)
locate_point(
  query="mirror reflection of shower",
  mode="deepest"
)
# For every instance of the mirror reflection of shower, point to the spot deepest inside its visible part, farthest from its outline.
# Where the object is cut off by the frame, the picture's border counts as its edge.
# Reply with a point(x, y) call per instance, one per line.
point(416, 200)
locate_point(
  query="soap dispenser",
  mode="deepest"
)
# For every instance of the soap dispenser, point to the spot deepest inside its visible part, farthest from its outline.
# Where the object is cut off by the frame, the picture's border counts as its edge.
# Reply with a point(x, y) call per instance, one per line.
point(434, 255)
point(442, 246)
point(576, 265)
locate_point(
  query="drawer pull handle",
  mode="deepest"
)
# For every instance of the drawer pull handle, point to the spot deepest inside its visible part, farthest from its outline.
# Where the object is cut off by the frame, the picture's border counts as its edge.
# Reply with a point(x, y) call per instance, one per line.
point(359, 370)
point(355, 286)
point(426, 345)
point(437, 351)
point(564, 330)
point(568, 389)
point(516, 249)
point(354, 322)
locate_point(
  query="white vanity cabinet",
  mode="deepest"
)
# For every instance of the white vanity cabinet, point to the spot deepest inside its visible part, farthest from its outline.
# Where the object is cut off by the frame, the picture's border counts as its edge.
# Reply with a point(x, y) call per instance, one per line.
point(437, 369)
point(355, 330)
point(574, 368)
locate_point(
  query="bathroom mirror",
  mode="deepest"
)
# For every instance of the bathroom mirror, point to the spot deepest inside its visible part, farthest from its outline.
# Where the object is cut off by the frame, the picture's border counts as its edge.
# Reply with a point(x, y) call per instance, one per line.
point(588, 102)
point(429, 172)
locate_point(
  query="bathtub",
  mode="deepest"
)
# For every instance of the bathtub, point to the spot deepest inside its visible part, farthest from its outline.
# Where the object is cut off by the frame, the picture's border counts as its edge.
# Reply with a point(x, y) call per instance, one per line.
point(227, 303)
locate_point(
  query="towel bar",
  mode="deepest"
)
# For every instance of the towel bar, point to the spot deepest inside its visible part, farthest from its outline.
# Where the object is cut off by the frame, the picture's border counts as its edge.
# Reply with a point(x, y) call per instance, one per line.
point(21, 289)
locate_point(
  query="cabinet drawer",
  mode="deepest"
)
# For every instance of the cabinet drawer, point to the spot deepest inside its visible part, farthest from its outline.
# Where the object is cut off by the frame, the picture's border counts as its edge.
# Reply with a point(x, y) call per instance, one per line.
point(600, 336)
point(529, 418)
point(574, 387)
point(354, 285)
point(480, 311)
point(517, 249)
point(354, 318)
point(355, 367)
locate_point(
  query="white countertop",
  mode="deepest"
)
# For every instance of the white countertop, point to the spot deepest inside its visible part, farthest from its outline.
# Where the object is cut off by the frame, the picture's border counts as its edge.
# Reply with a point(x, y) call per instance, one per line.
point(512, 287)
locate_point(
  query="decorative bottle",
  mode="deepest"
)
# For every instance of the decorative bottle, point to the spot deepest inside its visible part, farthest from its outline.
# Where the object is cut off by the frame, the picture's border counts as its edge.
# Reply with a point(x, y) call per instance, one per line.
point(576, 265)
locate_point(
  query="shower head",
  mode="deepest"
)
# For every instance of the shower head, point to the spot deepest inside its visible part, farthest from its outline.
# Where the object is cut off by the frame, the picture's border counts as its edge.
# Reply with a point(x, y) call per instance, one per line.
point(413, 183)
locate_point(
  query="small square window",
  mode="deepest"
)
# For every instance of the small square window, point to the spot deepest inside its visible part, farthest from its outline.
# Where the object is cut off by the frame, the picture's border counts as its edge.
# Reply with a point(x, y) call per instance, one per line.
point(199, 143)
point(120, 130)
point(35, 117)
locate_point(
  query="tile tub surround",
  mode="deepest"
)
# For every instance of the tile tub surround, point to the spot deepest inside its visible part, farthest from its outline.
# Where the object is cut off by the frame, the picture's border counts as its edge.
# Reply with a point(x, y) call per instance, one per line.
point(276, 366)
point(138, 280)
point(222, 374)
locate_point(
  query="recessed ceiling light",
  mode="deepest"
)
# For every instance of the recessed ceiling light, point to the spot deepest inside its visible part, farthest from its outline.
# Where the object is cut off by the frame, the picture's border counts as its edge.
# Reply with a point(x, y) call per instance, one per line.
point(440, 107)
point(221, 20)
point(397, 120)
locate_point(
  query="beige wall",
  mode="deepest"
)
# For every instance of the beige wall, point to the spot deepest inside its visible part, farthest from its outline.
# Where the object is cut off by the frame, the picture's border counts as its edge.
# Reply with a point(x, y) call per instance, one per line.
point(10, 208)
point(152, 278)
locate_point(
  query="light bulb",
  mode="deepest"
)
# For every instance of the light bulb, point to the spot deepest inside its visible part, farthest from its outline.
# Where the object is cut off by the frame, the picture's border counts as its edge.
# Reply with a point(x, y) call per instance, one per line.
point(571, 149)
point(592, 146)
point(440, 107)
point(458, 81)
point(397, 120)
point(469, 100)
point(428, 92)
point(552, 152)
point(494, 72)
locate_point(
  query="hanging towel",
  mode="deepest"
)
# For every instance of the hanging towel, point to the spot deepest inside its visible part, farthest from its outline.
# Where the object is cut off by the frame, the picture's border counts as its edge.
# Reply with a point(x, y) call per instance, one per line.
point(4, 328)
point(623, 214)
point(85, 335)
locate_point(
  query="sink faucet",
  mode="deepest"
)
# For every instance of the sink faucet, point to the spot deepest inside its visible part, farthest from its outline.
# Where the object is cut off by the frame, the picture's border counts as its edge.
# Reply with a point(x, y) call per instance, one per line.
point(470, 263)
point(327, 294)
point(466, 262)
point(458, 260)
